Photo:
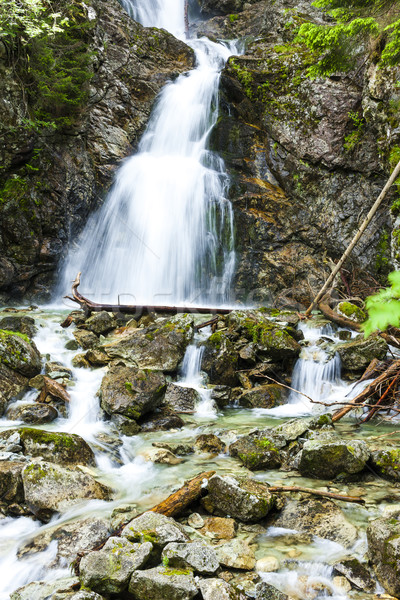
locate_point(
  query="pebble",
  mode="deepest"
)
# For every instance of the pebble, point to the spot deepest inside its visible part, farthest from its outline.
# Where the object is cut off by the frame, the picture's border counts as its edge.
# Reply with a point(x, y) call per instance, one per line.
point(196, 521)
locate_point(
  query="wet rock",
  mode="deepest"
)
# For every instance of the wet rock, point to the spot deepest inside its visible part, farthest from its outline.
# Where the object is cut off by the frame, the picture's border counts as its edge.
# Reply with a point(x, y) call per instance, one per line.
point(52, 446)
point(19, 354)
point(267, 564)
point(356, 573)
point(97, 358)
point(264, 396)
point(258, 451)
point(220, 360)
point(25, 325)
point(221, 394)
point(42, 590)
point(384, 551)
point(219, 528)
point(35, 414)
point(246, 583)
point(236, 554)
point(208, 442)
point(197, 556)
point(322, 518)
point(162, 420)
point(265, 591)
point(328, 460)
point(179, 449)
point(294, 428)
point(155, 528)
point(72, 538)
point(56, 370)
point(217, 589)
point(109, 570)
point(125, 425)
point(221, 7)
point(351, 311)
point(11, 488)
point(358, 353)
point(162, 582)
point(161, 456)
point(161, 346)
point(12, 386)
point(131, 392)
point(181, 399)
point(386, 463)
point(81, 595)
point(51, 488)
point(100, 323)
point(245, 499)
point(86, 339)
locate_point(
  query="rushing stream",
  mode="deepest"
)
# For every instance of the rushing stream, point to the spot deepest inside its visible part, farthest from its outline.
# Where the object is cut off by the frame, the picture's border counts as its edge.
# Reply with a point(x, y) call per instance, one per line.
point(165, 234)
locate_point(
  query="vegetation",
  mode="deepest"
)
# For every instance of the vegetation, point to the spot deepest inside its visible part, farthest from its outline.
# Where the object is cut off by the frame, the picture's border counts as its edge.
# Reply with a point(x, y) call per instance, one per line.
point(355, 23)
point(384, 307)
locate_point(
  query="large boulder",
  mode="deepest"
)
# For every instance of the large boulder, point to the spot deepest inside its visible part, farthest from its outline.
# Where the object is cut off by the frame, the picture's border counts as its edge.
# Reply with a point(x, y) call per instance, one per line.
point(161, 346)
point(53, 446)
point(245, 499)
point(198, 556)
point(357, 573)
point(108, 571)
point(358, 353)
point(43, 590)
point(259, 450)
point(329, 460)
point(131, 392)
point(12, 386)
point(384, 551)
point(100, 323)
point(163, 582)
point(321, 517)
point(19, 353)
point(155, 528)
point(51, 488)
point(35, 414)
point(181, 399)
point(386, 463)
point(25, 325)
point(220, 359)
point(218, 589)
point(264, 396)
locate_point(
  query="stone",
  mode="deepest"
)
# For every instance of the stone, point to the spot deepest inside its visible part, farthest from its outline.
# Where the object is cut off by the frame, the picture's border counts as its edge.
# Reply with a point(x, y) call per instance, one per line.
point(25, 325)
point(109, 570)
point(19, 353)
point(42, 590)
point(258, 451)
point(386, 463)
point(351, 311)
point(162, 582)
point(221, 394)
point(100, 323)
point(85, 339)
point(264, 396)
point(179, 449)
point(161, 346)
point(162, 419)
point(356, 573)
point(384, 551)
point(295, 428)
point(221, 7)
point(245, 499)
point(155, 528)
point(53, 446)
point(197, 556)
point(342, 583)
point(51, 488)
point(181, 399)
point(162, 456)
point(219, 528)
point(218, 589)
point(12, 386)
point(265, 591)
point(267, 564)
point(329, 460)
point(131, 392)
point(358, 353)
point(220, 360)
point(11, 488)
point(55, 370)
point(125, 425)
point(321, 517)
point(81, 595)
point(208, 442)
point(236, 554)
point(35, 414)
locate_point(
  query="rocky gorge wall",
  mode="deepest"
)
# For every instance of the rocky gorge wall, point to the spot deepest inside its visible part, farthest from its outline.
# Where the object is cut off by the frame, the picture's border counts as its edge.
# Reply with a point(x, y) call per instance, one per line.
point(306, 158)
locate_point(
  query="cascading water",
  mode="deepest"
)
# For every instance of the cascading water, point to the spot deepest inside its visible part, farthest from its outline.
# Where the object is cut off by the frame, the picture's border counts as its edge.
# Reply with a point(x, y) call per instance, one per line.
point(165, 233)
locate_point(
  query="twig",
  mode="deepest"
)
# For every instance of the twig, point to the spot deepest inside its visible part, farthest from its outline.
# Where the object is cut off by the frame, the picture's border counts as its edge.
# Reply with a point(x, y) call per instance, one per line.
point(378, 437)
point(286, 386)
point(295, 488)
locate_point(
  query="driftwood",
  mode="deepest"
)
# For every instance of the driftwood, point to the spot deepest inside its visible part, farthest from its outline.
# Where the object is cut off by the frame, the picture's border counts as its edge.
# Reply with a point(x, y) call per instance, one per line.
point(52, 388)
point(88, 306)
point(306, 490)
point(211, 322)
point(177, 502)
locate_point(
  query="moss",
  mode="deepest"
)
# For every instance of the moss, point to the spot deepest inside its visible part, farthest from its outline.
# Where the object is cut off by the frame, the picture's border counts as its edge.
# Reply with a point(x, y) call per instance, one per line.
point(5, 333)
point(352, 311)
point(172, 572)
point(35, 472)
point(233, 18)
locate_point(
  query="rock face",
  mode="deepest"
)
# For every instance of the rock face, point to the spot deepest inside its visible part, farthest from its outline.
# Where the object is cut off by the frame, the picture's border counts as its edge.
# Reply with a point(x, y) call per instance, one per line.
point(43, 209)
point(384, 551)
point(327, 460)
point(244, 499)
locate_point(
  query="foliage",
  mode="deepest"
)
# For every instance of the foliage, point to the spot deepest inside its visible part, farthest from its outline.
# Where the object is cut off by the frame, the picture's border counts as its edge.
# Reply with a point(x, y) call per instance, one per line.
point(338, 46)
point(384, 307)
point(354, 137)
point(27, 19)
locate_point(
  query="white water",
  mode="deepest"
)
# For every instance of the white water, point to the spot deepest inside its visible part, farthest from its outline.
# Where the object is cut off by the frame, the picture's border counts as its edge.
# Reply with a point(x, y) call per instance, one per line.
point(165, 233)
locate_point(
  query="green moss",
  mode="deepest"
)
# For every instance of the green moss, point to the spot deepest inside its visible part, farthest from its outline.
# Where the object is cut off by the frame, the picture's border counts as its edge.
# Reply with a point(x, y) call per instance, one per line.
point(233, 18)
point(352, 311)
point(5, 333)
point(171, 572)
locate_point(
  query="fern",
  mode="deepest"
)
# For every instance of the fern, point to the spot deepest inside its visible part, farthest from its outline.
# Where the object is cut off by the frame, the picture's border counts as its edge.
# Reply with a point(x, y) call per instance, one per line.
point(384, 307)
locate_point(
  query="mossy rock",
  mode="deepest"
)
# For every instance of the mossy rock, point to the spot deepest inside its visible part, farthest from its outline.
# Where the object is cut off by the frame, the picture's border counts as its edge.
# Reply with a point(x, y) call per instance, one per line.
point(264, 396)
point(386, 463)
point(56, 447)
point(352, 312)
point(384, 551)
point(19, 353)
point(358, 353)
point(256, 452)
point(329, 460)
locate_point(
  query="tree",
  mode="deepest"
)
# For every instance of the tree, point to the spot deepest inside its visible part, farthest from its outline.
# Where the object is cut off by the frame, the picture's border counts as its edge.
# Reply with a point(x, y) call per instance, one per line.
point(27, 19)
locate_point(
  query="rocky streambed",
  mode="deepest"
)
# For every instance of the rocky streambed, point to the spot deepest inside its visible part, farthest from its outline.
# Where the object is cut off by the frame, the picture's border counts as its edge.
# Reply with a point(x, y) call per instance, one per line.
point(104, 420)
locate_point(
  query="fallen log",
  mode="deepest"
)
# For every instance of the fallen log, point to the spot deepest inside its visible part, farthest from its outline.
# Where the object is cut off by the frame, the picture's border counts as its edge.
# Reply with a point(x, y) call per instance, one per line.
point(88, 306)
point(306, 490)
point(177, 502)
point(52, 388)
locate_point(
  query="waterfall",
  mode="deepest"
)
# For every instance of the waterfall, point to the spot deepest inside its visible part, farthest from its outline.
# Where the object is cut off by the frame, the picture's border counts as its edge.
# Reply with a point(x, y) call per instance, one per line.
point(165, 233)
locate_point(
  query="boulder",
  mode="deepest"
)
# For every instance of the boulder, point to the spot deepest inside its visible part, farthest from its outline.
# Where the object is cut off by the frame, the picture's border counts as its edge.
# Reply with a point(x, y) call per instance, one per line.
point(131, 392)
point(179, 449)
point(155, 528)
point(19, 353)
point(42, 590)
point(221, 7)
point(245, 499)
point(162, 582)
point(258, 451)
point(108, 571)
point(36, 414)
point(321, 517)
point(100, 323)
point(51, 488)
point(358, 353)
point(161, 346)
point(197, 556)
point(181, 399)
point(162, 456)
point(329, 460)
point(386, 463)
point(162, 419)
point(12, 386)
point(351, 311)
point(218, 589)
point(236, 554)
point(219, 528)
point(265, 591)
point(220, 359)
point(384, 551)
point(356, 573)
point(60, 448)
point(264, 396)
point(208, 442)
point(221, 394)
point(25, 325)
point(125, 425)
point(86, 339)
point(294, 428)
point(11, 488)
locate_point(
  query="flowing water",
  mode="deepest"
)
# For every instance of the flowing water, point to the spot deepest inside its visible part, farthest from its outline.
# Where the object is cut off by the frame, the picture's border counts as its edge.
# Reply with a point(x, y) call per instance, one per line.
point(166, 234)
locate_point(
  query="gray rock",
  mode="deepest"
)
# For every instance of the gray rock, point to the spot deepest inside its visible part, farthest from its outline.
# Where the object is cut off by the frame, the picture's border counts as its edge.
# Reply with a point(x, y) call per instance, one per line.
point(25, 325)
point(11, 489)
point(57, 447)
point(258, 451)
point(265, 591)
point(386, 463)
point(35, 414)
point(221, 394)
point(236, 554)
point(179, 449)
point(108, 571)
point(264, 396)
point(246, 499)
point(358, 353)
point(81, 595)
point(42, 590)
point(12, 386)
point(218, 589)
point(198, 556)
point(327, 460)
point(294, 428)
point(384, 551)
point(321, 517)
point(220, 359)
point(100, 323)
point(19, 353)
point(181, 399)
point(156, 528)
point(125, 425)
point(208, 442)
point(356, 573)
point(163, 582)
point(85, 339)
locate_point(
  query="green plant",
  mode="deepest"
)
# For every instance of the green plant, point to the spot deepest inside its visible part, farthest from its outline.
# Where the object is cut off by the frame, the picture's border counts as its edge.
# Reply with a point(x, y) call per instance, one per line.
point(352, 139)
point(384, 307)
point(27, 19)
